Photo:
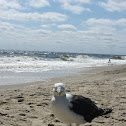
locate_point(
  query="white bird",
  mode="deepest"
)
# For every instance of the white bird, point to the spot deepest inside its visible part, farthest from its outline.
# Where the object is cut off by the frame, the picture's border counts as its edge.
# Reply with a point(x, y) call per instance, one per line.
point(74, 108)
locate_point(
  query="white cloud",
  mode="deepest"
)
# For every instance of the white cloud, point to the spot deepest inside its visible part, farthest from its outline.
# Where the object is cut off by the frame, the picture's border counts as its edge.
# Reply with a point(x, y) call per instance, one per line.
point(45, 26)
point(39, 3)
point(38, 32)
point(121, 22)
point(16, 4)
point(48, 25)
point(101, 30)
point(73, 1)
point(96, 33)
point(94, 21)
point(74, 40)
point(75, 6)
point(81, 1)
point(104, 32)
point(4, 26)
point(77, 9)
point(106, 22)
point(19, 16)
point(5, 4)
point(114, 5)
point(8, 11)
point(67, 26)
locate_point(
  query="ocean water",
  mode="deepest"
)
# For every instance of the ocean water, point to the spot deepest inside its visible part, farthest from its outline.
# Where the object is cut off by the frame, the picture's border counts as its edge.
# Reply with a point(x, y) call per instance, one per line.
point(18, 67)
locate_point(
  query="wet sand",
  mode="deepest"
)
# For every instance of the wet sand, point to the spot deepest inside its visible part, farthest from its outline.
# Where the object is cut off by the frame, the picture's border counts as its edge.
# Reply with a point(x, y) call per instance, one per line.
point(30, 105)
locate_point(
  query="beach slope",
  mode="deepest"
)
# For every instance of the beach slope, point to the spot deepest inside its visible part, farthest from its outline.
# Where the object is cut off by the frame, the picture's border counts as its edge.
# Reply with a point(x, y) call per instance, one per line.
point(30, 105)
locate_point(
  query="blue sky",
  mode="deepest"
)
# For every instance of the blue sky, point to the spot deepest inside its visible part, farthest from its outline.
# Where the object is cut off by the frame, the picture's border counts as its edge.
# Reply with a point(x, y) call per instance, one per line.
point(86, 26)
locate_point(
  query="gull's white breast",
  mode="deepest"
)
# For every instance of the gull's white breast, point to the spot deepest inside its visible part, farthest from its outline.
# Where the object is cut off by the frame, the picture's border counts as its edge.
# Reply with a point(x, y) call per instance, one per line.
point(62, 111)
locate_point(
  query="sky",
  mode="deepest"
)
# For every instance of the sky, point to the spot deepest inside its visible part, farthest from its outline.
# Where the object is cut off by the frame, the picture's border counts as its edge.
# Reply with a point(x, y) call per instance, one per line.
point(83, 26)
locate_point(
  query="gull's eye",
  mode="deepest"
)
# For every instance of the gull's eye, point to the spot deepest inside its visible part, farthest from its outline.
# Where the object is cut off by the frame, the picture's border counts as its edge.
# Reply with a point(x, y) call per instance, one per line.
point(54, 90)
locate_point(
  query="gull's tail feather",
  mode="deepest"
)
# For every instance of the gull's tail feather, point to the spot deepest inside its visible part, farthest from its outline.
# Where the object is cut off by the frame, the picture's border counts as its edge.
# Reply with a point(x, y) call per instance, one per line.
point(105, 111)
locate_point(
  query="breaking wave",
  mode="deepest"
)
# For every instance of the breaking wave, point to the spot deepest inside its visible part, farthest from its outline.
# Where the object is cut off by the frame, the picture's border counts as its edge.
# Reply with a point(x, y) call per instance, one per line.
point(31, 61)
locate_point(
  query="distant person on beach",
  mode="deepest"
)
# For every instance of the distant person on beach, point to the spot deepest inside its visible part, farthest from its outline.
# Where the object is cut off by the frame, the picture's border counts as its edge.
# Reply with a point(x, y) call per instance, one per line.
point(109, 61)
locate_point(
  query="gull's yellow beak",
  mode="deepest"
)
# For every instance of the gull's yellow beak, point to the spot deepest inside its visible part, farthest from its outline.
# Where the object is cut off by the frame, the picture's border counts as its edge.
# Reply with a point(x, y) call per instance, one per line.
point(59, 92)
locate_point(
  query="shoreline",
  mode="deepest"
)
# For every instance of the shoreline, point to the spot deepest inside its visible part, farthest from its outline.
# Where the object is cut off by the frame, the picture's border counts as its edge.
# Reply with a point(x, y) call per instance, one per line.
point(78, 72)
point(29, 104)
point(43, 76)
point(73, 74)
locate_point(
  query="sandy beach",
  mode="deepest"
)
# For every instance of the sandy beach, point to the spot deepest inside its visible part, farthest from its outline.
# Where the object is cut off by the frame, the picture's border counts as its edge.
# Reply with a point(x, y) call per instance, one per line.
point(30, 105)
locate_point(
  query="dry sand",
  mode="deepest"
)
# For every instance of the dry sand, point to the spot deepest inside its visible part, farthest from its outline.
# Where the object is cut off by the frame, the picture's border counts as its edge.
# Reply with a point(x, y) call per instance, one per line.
point(29, 105)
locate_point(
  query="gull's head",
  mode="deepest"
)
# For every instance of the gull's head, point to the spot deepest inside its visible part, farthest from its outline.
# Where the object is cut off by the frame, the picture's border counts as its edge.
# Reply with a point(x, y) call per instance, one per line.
point(59, 89)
